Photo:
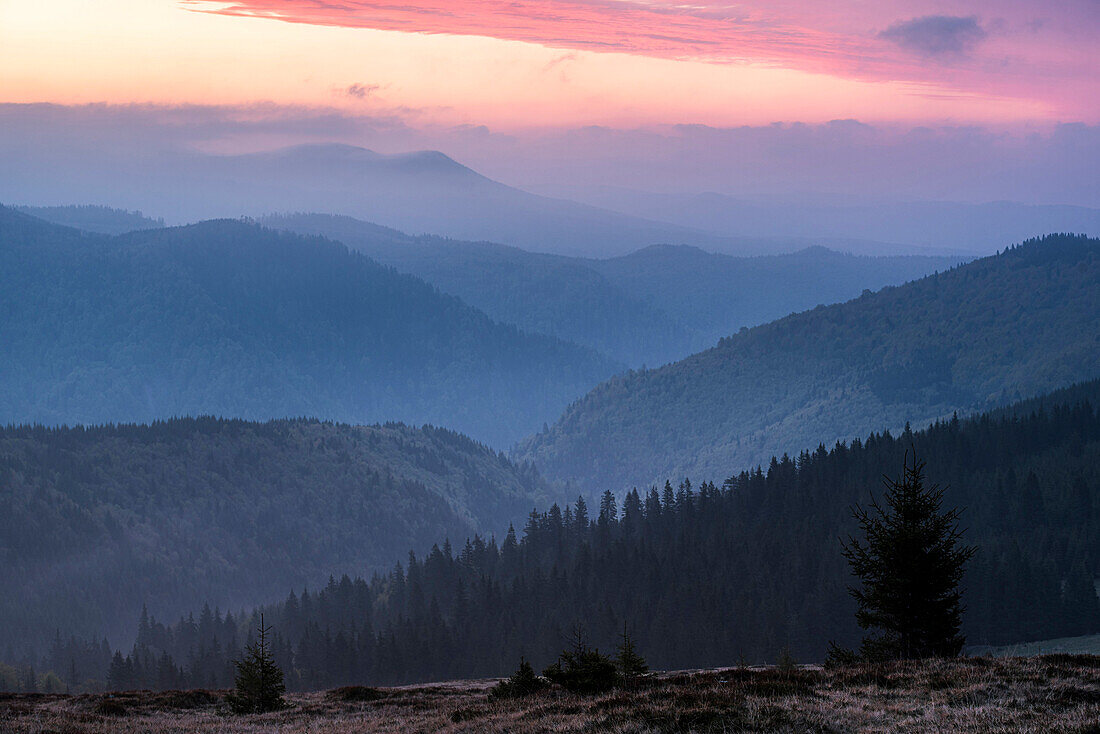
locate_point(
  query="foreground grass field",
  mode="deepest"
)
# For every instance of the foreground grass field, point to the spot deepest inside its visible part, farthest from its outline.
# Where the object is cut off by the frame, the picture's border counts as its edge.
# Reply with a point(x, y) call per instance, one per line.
point(1055, 693)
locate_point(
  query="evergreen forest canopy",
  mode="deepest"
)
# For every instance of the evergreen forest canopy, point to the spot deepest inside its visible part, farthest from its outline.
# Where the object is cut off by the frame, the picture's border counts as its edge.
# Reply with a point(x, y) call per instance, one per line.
point(649, 307)
point(96, 521)
point(93, 218)
point(229, 318)
point(701, 576)
point(980, 335)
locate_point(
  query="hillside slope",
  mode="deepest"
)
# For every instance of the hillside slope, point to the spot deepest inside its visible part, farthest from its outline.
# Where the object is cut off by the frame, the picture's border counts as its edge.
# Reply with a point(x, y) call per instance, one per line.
point(229, 318)
point(546, 294)
point(999, 328)
point(646, 308)
point(706, 574)
point(94, 522)
point(101, 219)
point(719, 294)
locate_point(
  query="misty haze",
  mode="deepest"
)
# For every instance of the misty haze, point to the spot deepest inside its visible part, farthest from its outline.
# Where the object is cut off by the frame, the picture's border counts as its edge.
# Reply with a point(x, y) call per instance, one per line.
point(549, 366)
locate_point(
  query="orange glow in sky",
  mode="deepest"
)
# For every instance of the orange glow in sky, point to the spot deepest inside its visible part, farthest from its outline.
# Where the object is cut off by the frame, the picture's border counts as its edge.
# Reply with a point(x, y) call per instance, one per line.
point(592, 63)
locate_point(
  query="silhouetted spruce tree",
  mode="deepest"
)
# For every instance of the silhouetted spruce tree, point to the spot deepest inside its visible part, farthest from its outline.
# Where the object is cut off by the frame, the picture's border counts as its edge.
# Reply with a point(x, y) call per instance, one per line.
point(120, 674)
point(259, 686)
point(910, 564)
point(583, 669)
point(631, 665)
point(523, 682)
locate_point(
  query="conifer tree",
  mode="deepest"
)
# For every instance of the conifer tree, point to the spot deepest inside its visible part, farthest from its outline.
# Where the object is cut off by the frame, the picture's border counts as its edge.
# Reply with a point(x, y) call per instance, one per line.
point(910, 564)
point(582, 669)
point(117, 676)
point(259, 685)
point(523, 682)
point(631, 665)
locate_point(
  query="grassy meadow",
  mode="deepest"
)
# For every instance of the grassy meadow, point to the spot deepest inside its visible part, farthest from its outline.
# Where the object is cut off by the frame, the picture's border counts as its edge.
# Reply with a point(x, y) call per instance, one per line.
point(1054, 693)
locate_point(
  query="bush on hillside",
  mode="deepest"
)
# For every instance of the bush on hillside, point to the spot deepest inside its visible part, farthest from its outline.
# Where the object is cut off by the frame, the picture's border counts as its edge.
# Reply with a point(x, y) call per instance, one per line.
point(523, 682)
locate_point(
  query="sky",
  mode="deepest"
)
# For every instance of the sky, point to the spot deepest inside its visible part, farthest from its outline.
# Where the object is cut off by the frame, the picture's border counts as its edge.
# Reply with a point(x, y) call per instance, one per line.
point(518, 64)
point(496, 81)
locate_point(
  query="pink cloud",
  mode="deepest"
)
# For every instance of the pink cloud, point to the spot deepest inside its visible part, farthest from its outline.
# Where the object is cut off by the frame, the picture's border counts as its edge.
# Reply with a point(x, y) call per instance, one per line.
point(702, 30)
point(1012, 48)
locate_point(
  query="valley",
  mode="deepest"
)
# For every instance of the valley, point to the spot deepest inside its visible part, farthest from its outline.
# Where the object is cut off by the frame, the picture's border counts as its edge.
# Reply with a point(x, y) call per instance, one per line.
point(603, 366)
point(420, 531)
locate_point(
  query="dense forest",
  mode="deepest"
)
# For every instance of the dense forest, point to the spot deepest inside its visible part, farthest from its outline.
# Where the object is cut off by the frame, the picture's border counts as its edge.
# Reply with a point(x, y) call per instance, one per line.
point(94, 521)
point(982, 334)
point(229, 318)
point(701, 576)
point(650, 307)
point(92, 218)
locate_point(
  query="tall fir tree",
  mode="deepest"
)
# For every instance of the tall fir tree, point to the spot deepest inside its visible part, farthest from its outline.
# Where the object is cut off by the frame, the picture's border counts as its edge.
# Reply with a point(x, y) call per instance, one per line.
point(910, 564)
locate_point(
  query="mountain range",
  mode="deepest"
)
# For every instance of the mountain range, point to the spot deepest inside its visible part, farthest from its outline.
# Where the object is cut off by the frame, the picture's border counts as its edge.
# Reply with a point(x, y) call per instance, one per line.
point(747, 570)
point(95, 522)
point(419, 192)
point(429, 192)
point(228, 318)
point(997, 329)
point(90, 218)
point(865, 226)
point(651, 306)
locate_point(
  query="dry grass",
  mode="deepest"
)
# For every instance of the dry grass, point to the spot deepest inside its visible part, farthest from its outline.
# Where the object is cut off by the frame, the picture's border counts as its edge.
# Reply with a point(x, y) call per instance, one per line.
point(1085, 645)
point(1056, 693)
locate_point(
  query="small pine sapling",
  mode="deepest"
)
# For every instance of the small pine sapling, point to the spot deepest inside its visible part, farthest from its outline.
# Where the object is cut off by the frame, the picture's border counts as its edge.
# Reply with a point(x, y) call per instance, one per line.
point(259, 685)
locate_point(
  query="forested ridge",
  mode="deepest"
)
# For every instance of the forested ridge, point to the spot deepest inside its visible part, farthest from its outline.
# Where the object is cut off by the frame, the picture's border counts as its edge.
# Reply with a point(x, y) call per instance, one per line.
point(652, 306)
point(720, 294)
point(92, 218)
point(229, 318)
point(980, 335)
point(96, 521)
point(702, 576)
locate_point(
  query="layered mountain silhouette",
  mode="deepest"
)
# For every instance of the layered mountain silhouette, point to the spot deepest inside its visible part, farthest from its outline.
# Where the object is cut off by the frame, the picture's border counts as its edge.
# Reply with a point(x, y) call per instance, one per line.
point(419, 192)
point(1001, 328)
point(865, 226)
point(651, 306)
point(705, 573)
point(90, 218)
point(229, 318)
point(98, 521)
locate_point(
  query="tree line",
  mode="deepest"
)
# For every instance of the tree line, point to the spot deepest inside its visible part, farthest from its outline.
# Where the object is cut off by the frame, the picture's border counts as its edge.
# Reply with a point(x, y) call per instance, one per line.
point(701, 576)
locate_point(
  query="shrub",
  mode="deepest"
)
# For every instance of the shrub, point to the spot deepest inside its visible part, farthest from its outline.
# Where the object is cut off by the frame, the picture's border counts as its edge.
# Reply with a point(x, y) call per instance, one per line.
point(523, 682)
point(583, 670)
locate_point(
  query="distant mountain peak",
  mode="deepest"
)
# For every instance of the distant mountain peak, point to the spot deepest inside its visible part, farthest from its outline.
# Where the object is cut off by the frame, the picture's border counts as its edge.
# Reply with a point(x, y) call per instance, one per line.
point(334, 151)
point(417, 161)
